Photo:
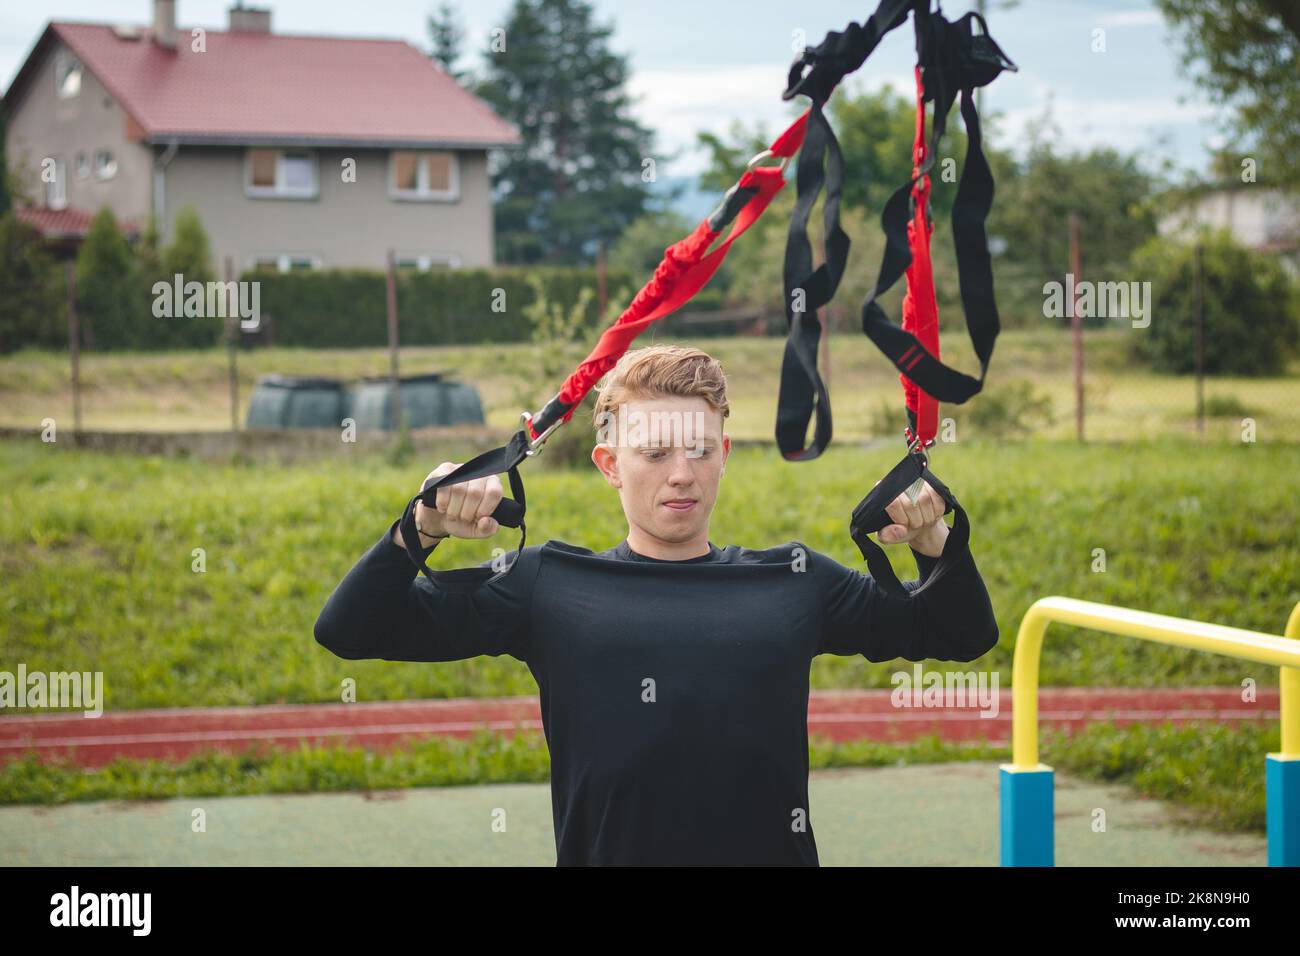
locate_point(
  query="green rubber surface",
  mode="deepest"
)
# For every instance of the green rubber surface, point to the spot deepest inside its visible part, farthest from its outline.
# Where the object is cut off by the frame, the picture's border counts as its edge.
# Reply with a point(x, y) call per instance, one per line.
point(934, 815)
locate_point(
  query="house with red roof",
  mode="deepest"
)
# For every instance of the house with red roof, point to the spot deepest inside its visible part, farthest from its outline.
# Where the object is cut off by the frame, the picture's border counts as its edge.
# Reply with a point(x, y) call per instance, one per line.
point(297, 152)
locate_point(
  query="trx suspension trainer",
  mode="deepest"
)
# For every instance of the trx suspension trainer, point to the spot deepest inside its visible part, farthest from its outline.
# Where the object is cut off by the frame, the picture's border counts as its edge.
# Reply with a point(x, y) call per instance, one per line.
point(950, 60)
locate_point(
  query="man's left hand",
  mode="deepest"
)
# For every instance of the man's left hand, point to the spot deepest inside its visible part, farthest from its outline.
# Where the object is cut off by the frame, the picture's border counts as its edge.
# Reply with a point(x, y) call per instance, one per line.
point(920, 524)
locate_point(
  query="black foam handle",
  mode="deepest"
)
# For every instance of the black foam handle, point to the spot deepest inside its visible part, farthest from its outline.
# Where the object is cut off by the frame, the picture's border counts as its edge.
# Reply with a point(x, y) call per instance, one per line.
point(508, 514)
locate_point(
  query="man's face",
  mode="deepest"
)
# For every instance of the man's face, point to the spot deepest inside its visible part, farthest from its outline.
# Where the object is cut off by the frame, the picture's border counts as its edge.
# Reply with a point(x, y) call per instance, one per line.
point(665, 456)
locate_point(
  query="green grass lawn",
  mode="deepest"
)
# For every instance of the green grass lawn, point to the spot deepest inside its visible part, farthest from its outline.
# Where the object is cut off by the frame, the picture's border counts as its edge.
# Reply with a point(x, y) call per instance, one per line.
point(95, 574)
point(188, 391)
point(96, 555)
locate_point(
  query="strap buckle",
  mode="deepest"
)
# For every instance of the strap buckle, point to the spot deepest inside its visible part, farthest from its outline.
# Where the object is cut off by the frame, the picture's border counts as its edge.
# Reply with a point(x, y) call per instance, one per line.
point(535, 444)
point(915, 446)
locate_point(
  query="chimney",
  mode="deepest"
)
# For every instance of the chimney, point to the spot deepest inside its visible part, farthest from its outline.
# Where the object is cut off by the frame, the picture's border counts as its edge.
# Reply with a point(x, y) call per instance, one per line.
point(249, 19)
point(164, 23)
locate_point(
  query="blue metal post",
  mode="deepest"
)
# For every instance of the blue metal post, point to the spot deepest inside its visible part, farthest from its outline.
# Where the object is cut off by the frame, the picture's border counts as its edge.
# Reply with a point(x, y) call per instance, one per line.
point(1282, 809)
point(1028, 816)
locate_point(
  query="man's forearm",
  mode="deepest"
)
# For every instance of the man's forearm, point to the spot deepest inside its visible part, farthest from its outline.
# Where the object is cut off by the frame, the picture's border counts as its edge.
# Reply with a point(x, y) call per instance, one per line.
point(370, 614)
point(955, 619)
point(426, 541)
point(930, 542)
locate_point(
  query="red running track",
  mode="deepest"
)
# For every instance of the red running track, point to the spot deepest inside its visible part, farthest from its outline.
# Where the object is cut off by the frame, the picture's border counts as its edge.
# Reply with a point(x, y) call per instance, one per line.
point(174, 734)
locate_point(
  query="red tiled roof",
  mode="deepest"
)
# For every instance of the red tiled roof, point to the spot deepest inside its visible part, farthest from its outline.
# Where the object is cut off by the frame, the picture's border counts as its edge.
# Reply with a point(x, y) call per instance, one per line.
point(252, 87)
point(63, 223)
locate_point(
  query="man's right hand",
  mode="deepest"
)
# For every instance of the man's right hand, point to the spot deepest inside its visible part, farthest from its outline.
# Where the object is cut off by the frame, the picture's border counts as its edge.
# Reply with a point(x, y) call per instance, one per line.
point(463, 510)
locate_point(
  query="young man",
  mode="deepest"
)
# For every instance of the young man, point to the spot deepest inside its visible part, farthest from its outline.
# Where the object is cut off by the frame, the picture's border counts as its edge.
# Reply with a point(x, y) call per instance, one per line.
point(673, 673)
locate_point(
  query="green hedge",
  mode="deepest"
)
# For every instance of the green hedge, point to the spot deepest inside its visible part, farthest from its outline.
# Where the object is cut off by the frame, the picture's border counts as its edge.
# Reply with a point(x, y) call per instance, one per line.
point(347, 308)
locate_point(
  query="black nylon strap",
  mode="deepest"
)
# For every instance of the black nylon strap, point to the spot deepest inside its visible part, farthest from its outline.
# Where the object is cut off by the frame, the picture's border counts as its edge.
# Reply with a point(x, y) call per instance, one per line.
point(801, 391)
point(953, 60)
point(842, 53)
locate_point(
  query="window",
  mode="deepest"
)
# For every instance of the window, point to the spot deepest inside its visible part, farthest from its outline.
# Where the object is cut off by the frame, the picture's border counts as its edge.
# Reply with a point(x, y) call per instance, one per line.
point(423, 263)
point(105, 164)
point(83, 165)
point(424, 176)
point(56, 191)
point(286, 262)
point(67, 76)
point(289, 174)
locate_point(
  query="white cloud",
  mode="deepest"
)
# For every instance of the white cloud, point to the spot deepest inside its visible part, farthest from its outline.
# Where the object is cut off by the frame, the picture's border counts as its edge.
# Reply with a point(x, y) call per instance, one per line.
point(1131, 18)
point(679, 102)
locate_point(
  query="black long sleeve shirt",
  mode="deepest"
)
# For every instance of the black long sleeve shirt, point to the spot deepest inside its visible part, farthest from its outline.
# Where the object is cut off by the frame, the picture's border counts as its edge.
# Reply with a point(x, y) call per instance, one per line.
point(674, 694)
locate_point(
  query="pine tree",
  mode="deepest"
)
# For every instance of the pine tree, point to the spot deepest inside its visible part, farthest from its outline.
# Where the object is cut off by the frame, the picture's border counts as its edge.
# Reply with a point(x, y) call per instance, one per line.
point(32, 310)
point(189, 254)
point(446, 35)
point(105, 287)
point(578, 178)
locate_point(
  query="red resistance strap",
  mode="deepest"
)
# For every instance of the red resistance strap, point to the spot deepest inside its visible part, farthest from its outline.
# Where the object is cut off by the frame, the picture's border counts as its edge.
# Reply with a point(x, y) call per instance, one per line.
point(920, 311)
point(682, 273)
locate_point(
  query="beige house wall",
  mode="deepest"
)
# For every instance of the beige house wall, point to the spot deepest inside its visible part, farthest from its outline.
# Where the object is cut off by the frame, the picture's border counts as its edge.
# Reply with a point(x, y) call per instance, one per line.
point(346, 225)
point(43, 124)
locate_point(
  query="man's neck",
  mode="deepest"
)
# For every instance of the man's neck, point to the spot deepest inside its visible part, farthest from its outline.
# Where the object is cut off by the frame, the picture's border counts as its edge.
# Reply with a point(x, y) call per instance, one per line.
point(652, 547)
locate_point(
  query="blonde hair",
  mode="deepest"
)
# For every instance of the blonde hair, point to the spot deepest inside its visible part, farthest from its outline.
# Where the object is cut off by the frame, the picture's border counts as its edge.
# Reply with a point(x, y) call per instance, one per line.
point(660, 371)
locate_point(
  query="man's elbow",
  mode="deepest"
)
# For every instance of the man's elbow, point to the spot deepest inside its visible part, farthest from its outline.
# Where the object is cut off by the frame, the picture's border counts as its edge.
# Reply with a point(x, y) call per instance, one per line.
point(983, 640)
point(328, 636)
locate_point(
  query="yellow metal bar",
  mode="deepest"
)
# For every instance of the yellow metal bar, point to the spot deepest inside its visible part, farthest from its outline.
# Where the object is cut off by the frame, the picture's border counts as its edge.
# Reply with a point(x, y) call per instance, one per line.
point(1290, 682)
point(1270, 649)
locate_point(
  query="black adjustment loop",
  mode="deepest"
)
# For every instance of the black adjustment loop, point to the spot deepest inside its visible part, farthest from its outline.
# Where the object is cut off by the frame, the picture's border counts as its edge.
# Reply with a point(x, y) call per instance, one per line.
point(735, 200)
point(953, 60)
point(842, 53)
point(802, 392)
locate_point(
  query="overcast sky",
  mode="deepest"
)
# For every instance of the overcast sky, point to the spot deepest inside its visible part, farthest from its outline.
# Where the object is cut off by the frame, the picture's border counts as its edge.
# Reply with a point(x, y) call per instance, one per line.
point(698, 64)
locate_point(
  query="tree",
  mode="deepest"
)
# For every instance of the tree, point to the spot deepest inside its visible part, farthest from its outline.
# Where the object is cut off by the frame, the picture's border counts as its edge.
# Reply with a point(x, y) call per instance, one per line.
point(105, 287)
point(1246, 54)
point(1250, 308)
point(31, 289)
point(875, 132)
point(6, 198)
point(446, 37)
point(641, 247)
point(577, 179)
point(189, 254)
point(1107, 189)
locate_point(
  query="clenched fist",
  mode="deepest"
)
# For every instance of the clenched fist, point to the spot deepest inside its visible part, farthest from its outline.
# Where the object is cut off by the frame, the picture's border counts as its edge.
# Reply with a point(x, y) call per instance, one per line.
point(462, 510)
point(919, 523)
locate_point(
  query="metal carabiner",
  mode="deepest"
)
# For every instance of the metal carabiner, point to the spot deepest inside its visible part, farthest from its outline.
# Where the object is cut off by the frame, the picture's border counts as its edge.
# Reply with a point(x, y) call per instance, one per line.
point(535, 444)
point(766, 154)
point(916, 448)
